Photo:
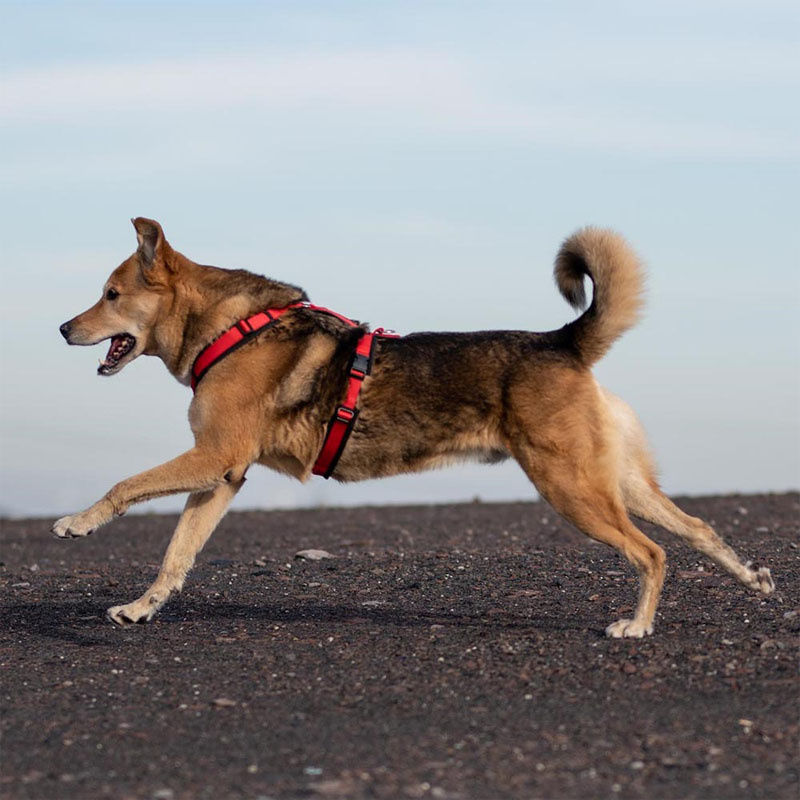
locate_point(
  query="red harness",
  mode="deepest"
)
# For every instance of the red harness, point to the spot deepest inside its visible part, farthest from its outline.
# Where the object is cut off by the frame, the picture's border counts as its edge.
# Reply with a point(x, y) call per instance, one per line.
point(344, 418)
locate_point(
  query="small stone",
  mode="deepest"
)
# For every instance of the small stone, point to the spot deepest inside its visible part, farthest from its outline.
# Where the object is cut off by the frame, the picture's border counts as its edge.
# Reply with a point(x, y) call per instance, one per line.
point(637, 765)
point(223, 702)
point(314, 771)
point(313, 555)
point(163, 794)
point(373, 603)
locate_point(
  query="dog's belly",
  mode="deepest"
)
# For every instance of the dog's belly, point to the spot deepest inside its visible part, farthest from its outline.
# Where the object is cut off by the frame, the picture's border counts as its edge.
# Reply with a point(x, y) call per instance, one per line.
point(363, 459)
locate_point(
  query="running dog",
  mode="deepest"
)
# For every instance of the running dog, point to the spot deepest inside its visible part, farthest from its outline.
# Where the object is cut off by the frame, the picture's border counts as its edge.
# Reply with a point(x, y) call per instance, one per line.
point(427, 399)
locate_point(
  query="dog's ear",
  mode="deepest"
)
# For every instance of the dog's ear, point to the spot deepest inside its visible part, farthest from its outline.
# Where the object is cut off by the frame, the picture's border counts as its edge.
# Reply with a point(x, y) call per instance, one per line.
point(154, 251)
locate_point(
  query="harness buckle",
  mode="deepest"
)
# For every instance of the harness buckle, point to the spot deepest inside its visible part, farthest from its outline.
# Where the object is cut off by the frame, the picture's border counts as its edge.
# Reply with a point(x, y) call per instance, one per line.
point(244, 327)
point(345, 414)
point(360, 366)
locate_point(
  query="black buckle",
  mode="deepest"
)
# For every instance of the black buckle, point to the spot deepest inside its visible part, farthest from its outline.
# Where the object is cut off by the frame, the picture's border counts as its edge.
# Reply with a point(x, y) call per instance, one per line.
point(360, 366)
point(345, 414)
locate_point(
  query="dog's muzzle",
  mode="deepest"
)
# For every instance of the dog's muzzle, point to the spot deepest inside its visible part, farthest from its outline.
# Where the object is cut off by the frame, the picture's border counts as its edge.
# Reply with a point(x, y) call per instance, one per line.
point(65, 329)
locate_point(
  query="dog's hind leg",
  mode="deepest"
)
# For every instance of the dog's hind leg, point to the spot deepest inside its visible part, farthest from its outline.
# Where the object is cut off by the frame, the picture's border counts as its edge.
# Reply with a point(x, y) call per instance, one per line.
point(644, 499)
point(580, 490)
point(203, 512)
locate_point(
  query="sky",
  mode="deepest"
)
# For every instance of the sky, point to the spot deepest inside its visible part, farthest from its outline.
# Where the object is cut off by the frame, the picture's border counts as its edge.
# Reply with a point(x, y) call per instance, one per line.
point(416, 165)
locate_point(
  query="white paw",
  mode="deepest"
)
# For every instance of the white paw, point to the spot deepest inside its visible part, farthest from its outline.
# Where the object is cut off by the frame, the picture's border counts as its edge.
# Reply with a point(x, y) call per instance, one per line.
point(628, 629)
point(73, 526)
point(139, 611)
point(764, 582)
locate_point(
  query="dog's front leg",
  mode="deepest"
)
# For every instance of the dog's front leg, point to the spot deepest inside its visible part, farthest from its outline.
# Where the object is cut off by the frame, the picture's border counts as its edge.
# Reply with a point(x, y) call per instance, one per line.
point(202, 513)
point(195, 470)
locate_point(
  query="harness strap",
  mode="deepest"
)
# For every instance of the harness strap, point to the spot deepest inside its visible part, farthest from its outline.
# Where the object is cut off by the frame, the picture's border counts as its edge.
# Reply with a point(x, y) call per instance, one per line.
point(344, 417)
point(225, 344)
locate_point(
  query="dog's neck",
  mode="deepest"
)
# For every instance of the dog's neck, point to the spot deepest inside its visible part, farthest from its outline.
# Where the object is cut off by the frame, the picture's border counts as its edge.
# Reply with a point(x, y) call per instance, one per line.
point(205, 303)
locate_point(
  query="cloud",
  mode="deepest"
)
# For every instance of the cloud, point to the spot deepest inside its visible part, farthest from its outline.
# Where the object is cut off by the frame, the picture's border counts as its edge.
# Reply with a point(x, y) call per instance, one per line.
point(362, 78)
point(414, 92)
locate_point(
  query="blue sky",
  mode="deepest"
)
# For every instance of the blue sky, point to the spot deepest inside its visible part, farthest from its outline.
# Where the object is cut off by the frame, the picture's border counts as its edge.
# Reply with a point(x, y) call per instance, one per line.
point(415, 165)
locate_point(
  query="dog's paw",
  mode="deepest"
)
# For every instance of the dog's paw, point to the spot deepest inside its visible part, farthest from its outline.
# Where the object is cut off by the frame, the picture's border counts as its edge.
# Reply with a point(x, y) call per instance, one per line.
point(73, 526)
point(764, 582)
point(134, 613)
point(628, 629)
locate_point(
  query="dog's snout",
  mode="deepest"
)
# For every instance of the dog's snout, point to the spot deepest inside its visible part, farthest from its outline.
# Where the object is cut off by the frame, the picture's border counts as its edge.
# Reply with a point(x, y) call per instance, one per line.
point(65, 328)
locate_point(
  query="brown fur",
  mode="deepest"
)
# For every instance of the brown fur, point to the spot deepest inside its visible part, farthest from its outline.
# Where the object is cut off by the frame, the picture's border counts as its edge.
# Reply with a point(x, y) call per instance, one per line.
point(431, 398)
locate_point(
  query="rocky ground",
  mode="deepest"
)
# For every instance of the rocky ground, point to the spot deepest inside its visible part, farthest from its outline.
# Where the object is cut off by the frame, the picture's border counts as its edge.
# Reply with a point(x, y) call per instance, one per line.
point(444, 652)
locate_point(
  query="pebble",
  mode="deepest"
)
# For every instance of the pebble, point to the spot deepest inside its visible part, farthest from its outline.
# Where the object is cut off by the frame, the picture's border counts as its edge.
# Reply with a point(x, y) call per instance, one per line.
point(313, 555)
point(223, 702)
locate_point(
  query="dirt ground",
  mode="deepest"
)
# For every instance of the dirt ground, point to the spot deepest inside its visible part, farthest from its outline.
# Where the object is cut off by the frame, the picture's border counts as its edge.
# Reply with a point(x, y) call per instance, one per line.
point(444, 652)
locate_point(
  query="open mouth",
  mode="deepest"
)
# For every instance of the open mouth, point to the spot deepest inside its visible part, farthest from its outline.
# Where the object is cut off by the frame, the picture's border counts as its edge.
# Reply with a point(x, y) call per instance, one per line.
point(121, 345)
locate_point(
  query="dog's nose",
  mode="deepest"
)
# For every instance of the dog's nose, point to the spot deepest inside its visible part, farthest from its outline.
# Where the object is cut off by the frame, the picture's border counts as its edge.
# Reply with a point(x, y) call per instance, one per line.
point(65, 330)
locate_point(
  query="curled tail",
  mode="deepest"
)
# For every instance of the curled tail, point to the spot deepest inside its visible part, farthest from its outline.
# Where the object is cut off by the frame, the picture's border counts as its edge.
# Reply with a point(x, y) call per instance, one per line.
point(618, 279)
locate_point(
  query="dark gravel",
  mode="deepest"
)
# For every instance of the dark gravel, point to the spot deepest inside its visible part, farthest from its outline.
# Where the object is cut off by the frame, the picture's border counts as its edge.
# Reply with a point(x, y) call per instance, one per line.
point(446, 652)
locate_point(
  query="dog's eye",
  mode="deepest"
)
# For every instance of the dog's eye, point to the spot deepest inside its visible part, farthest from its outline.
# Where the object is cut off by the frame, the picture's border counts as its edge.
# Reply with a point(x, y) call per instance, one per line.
point(112, 294)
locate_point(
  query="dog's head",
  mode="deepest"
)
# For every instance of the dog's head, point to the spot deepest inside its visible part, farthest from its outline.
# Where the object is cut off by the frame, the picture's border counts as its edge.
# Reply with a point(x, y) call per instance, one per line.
point(133, 297)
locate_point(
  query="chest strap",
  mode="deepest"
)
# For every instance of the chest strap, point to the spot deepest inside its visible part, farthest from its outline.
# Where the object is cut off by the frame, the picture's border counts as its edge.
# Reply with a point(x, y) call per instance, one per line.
point(344, 418)
point(234, 337)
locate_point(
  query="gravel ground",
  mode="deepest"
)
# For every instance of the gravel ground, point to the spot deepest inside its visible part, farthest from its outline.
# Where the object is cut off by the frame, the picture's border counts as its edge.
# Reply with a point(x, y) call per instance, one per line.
point(445, 652)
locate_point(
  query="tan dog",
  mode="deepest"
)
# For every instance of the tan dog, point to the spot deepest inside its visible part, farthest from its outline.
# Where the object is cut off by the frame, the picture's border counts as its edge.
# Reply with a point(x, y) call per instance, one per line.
point(431, 398)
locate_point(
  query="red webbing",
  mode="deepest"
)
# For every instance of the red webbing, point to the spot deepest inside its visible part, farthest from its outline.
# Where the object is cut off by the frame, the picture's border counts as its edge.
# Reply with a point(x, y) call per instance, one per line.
point(345, 414)
point(344, 417)
point(233, 336)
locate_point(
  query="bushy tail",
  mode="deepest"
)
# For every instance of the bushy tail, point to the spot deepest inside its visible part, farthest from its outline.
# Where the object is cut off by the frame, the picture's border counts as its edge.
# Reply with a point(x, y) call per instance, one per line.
point(618, 279)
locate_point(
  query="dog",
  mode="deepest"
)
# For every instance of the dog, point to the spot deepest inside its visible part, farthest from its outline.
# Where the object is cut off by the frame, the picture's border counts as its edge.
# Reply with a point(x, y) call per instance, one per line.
point(429, 399)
